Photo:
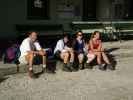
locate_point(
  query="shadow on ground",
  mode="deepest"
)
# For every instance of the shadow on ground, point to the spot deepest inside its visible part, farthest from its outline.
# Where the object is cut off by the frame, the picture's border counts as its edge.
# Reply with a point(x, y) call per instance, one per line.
point(112, 57)
point(2, 79)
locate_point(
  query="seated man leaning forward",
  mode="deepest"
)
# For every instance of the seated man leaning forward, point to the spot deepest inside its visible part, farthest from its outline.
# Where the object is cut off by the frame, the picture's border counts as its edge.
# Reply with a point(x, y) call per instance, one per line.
point(65, 53)
point(30, 48)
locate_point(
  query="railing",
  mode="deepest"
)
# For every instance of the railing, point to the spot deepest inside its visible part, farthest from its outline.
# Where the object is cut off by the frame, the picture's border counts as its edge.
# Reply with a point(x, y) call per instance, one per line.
point(109, 27)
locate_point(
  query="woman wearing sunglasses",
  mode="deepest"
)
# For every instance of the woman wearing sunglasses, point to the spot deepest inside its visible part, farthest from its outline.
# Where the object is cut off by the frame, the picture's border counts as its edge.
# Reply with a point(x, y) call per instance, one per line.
point(79, 49)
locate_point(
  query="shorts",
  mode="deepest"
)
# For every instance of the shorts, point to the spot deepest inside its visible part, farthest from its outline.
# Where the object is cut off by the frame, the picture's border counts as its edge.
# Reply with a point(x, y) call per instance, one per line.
point(37, 60)
point(23, 60)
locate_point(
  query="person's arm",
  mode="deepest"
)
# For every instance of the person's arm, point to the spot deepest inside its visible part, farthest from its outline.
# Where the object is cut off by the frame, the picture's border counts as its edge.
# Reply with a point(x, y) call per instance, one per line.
point(91, 45)
point(60, 45)
point(26, 44)
point(100, 48)
point(86, 47)
point(40, 50)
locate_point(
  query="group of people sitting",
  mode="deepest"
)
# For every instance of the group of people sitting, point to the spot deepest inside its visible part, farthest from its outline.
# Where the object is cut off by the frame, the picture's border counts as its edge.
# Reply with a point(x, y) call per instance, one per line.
point(72, 52)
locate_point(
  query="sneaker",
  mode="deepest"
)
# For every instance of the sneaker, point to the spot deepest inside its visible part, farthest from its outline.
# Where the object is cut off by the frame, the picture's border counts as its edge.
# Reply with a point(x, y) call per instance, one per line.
point(66, 68)
point(102, 67)
point(43, 70)
point(70, 65)
point(31, 74)
point(81, 67)
point(88, 66)
point(109, 66)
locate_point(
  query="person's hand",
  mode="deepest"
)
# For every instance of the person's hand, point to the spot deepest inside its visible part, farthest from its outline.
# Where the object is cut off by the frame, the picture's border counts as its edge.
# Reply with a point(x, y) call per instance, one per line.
point(102, 50)
point(42, 52)
point(70, 49)
point(50, 49)
point(31, 52)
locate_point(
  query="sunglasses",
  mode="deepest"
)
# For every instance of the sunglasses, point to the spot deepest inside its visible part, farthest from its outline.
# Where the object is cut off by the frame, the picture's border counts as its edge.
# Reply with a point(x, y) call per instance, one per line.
point(79, 34)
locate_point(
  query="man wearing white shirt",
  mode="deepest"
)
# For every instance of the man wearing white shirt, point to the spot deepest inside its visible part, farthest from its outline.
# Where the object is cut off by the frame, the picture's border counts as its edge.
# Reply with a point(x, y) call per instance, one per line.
point(64, 52)
point(30, 48)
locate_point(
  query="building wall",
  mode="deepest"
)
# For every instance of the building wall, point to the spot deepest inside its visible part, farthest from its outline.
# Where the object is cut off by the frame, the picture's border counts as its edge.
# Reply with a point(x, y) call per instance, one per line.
point(103, 9)
point(3, 18)
point(15, 12)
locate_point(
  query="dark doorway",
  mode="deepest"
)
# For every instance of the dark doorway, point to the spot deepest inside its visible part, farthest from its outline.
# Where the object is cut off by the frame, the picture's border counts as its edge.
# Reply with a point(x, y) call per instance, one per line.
point(129, 9)
point(89, 10)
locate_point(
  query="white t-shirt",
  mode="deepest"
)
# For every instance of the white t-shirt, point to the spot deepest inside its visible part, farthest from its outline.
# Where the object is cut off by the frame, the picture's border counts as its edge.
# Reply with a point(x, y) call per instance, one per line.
point(25, 46)
point(60, 46)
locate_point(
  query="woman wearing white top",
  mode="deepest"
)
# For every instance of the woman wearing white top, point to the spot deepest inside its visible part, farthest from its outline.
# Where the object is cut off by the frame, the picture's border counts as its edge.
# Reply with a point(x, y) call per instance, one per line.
point(64, 52)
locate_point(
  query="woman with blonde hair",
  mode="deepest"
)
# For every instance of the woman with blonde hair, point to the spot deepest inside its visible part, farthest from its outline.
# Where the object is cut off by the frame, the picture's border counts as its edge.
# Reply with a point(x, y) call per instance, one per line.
point(96, 50)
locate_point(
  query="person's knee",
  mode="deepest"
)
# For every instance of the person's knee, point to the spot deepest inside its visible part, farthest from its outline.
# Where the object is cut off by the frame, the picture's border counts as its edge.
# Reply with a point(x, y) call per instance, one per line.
point(91, 56)
point(81, 56)
point(66, 55)
point(72, 53)
point(30, 54)
point(42, 53)
point(99, 54)
point(103, 53)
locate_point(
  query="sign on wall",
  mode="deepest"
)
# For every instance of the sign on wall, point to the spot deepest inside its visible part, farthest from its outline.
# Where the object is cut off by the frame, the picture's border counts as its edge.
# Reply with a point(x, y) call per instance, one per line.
point(38, 9)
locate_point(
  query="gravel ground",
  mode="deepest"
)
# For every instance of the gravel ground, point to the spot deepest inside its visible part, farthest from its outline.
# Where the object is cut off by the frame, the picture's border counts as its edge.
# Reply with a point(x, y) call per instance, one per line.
point(82, 85)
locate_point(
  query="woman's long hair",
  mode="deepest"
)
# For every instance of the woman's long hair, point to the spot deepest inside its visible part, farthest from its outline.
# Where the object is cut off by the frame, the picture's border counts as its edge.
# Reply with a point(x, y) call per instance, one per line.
point(93, 34)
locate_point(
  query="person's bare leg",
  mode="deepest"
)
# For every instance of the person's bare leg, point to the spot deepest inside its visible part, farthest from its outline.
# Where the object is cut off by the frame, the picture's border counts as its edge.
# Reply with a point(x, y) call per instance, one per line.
point(109, 65)
point(99, 57)
point(43, 64)
point(71, 56)
point(90, 58)
point(64, 57)
point(30, 58)
point(44, 60)
point(99, 61)
point(105, 58)
point(81, 58)
point(43, 54)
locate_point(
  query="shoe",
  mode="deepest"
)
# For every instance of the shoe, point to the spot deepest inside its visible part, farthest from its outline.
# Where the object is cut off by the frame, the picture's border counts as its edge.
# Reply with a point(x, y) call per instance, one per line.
point(88, 66)
point(70, 65)
point(102, 67)
point(66, 68)
point(109, 66)
point(81, 67)
point(43, 70)
point(31, 74)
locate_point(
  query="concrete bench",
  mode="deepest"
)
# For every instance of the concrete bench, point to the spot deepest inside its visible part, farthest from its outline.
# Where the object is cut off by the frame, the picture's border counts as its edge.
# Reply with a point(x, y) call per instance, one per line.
point(8, 69)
